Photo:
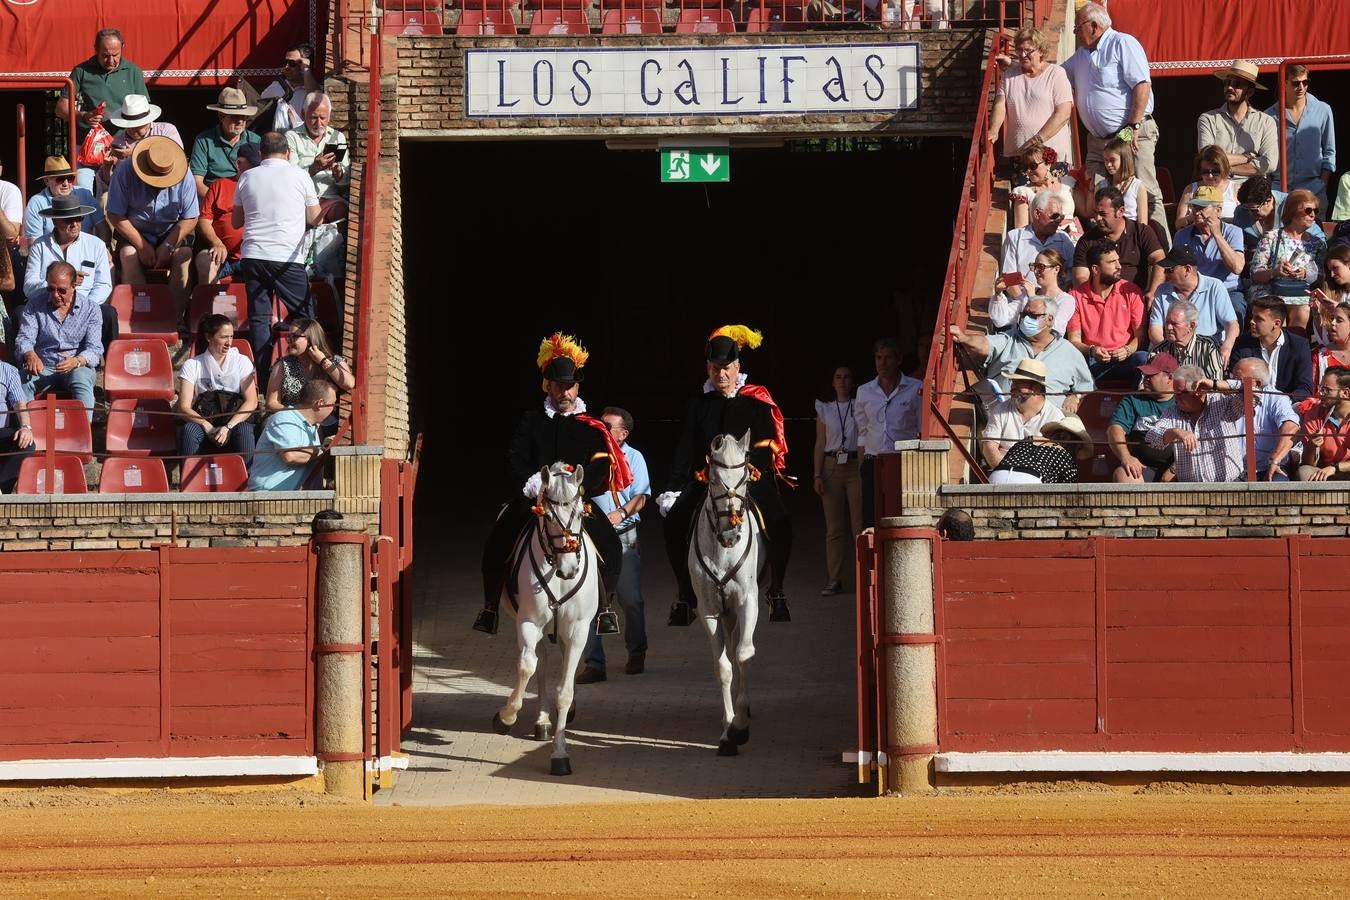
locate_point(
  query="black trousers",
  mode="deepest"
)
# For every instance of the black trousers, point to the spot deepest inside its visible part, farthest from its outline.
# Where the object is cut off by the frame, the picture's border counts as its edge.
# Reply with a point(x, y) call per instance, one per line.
point(13, 457)
point(777, 524)
point(262, 279)
point(109, 325)
point(515, 518)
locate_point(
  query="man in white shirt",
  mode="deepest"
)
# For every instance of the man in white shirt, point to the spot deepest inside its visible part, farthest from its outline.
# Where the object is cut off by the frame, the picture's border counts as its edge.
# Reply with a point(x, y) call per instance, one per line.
point(88, 254)
point(1021, 415)
point(274, 204)
point(887, 409)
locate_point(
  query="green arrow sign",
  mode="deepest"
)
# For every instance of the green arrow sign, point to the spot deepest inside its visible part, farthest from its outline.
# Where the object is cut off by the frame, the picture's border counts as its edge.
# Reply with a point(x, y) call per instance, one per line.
point(695, 165)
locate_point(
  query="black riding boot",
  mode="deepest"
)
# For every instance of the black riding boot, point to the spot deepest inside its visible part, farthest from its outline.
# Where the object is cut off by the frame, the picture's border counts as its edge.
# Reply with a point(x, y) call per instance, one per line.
point(492, 598)
point(607, 620)
point(780, 549)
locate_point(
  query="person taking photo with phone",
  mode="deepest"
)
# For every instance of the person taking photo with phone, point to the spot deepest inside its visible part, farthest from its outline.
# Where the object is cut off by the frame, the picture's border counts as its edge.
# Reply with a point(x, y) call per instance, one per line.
point(321, 150)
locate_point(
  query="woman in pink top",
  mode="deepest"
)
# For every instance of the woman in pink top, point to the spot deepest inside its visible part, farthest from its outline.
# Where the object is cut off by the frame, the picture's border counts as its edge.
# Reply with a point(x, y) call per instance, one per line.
point(1034, 99)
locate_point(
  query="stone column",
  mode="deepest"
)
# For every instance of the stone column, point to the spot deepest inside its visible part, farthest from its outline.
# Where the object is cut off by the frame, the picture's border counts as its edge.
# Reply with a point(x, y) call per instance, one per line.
point(910, 668)
point(340, 614)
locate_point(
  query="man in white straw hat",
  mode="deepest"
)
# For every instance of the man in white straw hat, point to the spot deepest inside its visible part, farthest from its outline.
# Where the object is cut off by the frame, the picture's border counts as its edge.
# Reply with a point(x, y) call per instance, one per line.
point(1245, 133)
point(153, 209)
point(215, 149)
point(138, 118)
point(1022, 414)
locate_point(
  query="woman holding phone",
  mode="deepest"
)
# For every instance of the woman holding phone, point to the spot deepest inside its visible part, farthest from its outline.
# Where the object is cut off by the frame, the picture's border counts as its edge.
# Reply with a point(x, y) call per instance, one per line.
point(1011, 293)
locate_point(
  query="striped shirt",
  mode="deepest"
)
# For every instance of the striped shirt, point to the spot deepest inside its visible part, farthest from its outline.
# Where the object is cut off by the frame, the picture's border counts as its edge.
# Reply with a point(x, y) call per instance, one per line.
point(1221, 454)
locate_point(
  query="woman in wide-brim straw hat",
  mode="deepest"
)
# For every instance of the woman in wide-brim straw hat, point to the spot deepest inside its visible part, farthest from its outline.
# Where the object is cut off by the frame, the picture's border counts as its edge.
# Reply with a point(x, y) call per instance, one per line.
point(728, 405)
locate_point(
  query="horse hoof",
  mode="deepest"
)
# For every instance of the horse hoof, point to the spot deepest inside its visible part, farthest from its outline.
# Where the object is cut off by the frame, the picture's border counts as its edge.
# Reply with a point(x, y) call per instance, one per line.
point(726, 748)
point(738, 736)
point(498, 725)
point(543, 731)
point(560, 766)
point(571, 713)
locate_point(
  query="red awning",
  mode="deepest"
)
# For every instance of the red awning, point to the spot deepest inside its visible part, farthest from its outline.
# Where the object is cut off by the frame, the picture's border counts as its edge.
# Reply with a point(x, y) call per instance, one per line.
point(176, 42)
point(1198, 36)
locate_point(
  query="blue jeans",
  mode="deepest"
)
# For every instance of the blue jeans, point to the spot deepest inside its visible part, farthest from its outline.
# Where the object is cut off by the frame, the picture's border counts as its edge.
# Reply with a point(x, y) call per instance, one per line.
point(79, 383)
point(192, 441)
point(630, 601)
point(1239, 300)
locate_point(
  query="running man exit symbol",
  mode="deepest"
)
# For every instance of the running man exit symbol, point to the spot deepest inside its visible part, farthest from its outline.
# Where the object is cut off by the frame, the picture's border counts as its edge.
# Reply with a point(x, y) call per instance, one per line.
point(695, 165)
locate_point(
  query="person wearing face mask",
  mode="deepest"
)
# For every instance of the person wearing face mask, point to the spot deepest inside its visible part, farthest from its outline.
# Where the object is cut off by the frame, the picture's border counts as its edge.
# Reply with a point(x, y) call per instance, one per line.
point(728, 405)
point(1021, 415)
point(557, 431)
point(1066, 372)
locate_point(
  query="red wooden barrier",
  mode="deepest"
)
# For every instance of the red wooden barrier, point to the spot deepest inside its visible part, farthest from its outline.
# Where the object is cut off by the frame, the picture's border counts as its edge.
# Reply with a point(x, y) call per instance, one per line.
point(1132, 644)
point(174, 652)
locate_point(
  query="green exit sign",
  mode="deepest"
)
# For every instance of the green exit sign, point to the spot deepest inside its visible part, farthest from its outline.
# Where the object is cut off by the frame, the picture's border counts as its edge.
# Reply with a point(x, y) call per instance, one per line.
point(695, 165)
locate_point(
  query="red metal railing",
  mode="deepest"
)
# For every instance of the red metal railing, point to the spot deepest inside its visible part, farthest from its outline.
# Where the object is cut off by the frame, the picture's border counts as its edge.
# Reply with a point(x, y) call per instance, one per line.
point(20, 82)
point(1323, 64)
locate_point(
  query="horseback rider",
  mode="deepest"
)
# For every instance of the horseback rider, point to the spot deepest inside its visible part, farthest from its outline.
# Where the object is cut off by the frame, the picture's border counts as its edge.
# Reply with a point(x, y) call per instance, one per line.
point(728, 406)
point(560, 430)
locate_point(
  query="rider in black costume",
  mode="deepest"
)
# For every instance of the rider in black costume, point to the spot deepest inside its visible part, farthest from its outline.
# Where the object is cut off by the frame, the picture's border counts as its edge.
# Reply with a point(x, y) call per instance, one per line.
point(728, 406)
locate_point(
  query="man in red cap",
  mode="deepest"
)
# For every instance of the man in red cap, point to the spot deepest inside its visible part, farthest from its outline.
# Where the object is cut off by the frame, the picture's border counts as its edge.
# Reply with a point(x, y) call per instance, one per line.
point(557, 431)
point(1137, 461)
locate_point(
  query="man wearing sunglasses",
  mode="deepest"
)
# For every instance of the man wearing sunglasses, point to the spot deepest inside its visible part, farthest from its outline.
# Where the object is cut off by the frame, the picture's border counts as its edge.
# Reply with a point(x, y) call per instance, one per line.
point(1310, 135)
point(1247, 135)
point(58, 179)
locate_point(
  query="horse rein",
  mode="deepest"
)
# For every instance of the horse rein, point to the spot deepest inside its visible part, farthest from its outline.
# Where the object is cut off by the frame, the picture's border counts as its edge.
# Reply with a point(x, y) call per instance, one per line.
point(551, 551)
point(735, 517)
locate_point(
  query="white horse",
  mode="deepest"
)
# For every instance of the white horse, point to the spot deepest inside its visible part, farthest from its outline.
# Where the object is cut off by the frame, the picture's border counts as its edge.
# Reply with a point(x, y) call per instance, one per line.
point(725, 556)
point(555, 570)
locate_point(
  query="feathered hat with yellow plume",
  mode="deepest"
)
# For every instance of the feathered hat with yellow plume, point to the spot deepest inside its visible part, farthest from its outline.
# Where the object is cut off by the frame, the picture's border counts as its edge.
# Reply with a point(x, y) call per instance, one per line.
point(725, 344)
point(561, 359)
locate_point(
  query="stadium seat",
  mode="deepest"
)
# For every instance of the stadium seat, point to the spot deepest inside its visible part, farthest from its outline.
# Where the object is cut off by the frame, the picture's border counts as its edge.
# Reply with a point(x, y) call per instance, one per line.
point(211, 474)
point(145, 311)
point(486, 21)
point(557, 4)
point(138, 369)
point(705, 21)
point(141, 428)
point(245, 349)
point(142, 475)
point(777, 18)
point(227, 299)
point(1167, 188)
point(560, 21)
point(631, 21)
point(409, 23)
point(71, 427)
point(69, 476)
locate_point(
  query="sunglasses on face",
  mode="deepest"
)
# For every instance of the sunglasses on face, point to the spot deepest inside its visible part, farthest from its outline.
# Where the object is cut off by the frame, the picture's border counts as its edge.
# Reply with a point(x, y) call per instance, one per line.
point(1041, 267)
point(62, 179)
point(1309, 210)
point(1055, 217)
point(1209, 173)
point(1235, 83)
point(1298, 82)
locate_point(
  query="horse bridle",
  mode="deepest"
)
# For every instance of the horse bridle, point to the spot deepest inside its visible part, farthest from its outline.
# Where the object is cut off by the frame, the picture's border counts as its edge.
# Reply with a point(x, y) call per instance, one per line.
point(562, 544)
point(731, 513)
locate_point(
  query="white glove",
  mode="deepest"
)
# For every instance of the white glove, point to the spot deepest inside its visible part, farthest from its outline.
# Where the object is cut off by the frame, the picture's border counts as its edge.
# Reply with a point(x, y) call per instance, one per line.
point(532, 486)
point(665, 501)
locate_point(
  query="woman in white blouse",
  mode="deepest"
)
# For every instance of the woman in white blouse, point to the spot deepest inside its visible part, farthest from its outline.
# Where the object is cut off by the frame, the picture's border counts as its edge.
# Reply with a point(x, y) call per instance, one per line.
point(838, 477)
point(217, 367)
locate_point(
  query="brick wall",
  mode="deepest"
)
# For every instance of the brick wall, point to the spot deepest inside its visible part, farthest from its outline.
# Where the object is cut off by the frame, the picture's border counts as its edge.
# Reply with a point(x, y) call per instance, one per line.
point(74, 522)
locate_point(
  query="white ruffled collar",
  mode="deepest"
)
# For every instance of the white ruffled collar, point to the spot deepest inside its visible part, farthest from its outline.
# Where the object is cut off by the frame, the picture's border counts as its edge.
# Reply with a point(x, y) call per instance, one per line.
point(740, 383)
point(550, 410)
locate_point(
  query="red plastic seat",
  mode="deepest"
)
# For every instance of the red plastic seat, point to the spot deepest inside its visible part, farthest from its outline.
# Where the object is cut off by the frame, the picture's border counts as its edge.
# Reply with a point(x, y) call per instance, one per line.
point(146, 311)
point(486, 21)
point(1167, 188)
point(223, 472)
point(776, 18)
point(226, 299)
point(245, 349)
point(557, 4)
point(560, 21)
point(326, 310)
point(412, 22)
point(141, 428)
point(705, 21)
point(71, 432)
point(141, 475)
point(69, 476)
point(138, 369)
point(631, 21)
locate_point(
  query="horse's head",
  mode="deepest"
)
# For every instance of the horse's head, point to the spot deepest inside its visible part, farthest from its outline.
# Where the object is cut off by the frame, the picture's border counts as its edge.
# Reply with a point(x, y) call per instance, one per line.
point(561, 507)
point(729, 477)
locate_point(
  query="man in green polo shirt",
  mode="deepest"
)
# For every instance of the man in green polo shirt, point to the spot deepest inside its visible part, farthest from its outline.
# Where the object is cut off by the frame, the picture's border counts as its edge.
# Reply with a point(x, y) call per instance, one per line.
point(215, 149)
point(106, 77)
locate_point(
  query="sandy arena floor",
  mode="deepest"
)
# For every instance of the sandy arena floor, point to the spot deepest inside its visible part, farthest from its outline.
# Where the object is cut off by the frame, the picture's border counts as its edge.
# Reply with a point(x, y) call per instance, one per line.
point(1281, 844)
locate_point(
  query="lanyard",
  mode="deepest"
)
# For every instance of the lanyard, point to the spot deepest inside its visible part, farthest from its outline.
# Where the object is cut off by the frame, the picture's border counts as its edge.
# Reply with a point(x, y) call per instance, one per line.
point(843, 429)
point(885, 420)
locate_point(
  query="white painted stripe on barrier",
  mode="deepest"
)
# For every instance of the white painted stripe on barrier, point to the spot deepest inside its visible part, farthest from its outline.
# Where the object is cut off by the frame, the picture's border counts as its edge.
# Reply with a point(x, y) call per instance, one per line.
point(1065, 761)
point(195, 767)
point(385, 763)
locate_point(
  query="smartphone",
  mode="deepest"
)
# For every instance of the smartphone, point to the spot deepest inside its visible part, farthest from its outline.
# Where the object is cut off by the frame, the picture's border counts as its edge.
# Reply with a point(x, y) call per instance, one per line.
point(1011, 278)
point(339, 152)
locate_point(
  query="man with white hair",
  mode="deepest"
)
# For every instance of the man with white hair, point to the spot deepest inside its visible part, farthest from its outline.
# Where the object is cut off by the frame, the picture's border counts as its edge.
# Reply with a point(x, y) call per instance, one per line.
point(1273, 420)
point(1186, 345)
point(1113, 92)
point(1022, 245)
point(320, 149)
point(1205, 428)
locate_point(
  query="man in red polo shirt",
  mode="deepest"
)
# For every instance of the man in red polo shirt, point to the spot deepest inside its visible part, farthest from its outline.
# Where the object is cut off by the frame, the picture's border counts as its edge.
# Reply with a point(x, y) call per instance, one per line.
point(1326, 430)
point(218, 241)
point(1108, 317)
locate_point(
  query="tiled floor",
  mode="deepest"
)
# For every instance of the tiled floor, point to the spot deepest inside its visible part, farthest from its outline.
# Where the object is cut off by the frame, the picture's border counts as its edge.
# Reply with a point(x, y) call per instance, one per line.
point(635, 737)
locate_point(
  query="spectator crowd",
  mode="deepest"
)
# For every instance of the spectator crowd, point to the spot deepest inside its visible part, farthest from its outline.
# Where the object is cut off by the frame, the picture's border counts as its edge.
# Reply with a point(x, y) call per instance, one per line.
point(257, 199)
point(1163, 314)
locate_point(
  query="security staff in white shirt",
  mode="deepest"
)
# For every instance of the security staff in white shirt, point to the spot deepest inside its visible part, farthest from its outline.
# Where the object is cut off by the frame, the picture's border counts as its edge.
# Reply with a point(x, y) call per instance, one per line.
point(886, 410)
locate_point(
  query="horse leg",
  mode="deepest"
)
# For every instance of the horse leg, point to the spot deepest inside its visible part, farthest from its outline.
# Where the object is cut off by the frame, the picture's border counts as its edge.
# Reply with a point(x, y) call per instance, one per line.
point(722, 672)
point(527, 634)
point(543, 725)
point(573, 643)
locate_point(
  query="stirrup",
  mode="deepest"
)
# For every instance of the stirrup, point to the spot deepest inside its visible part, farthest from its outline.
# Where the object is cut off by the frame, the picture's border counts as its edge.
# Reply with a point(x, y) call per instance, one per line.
point(681, 614)
point(778, 602)
point(607, 622)
point(486, 621)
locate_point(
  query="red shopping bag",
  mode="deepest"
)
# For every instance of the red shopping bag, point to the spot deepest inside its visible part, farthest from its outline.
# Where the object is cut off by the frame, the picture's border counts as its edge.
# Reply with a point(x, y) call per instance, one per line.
point(96, 143)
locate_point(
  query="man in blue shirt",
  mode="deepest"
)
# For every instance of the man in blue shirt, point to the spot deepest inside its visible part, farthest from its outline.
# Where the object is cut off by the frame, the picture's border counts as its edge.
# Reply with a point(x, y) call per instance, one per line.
point(1219, 248)
point(624, 516)
point(16, 435)
point(59, 341)
point(1310, 136)
point(88, 254)
point(58, 180)
point(290, 440)
point(1113, 92)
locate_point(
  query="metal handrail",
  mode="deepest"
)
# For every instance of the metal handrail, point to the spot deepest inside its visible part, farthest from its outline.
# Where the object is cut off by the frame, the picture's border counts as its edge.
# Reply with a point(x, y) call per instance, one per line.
point(369, 206)
point(40, 81)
